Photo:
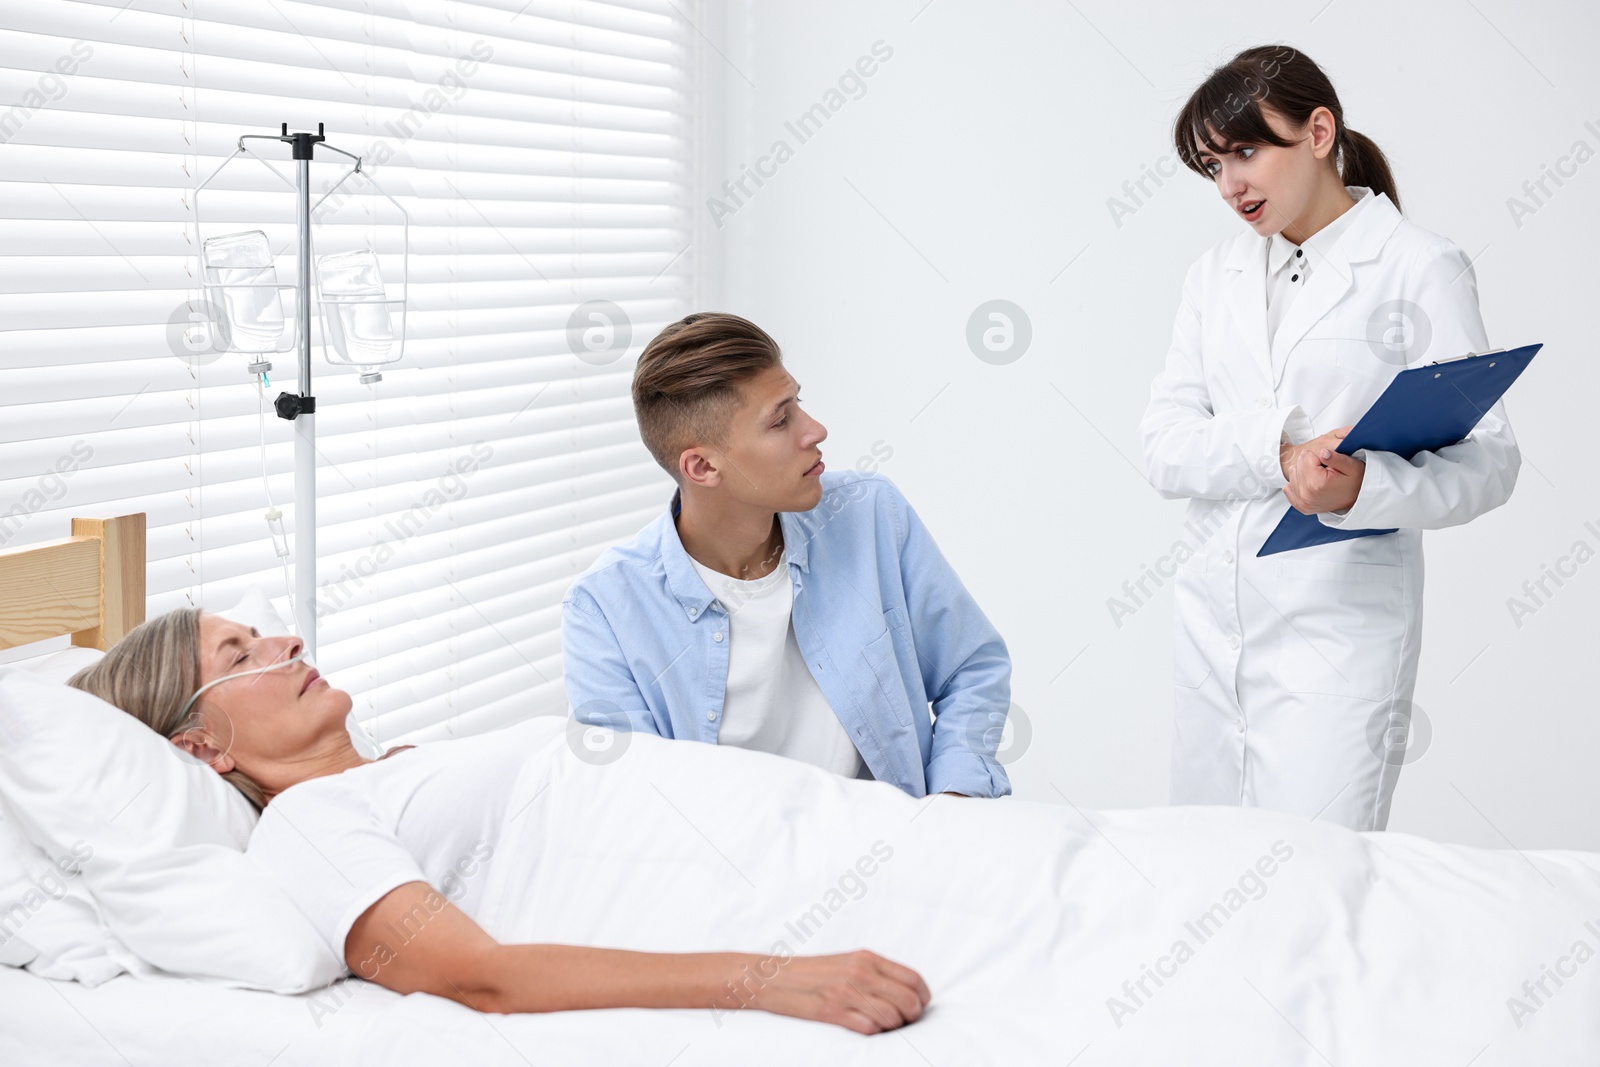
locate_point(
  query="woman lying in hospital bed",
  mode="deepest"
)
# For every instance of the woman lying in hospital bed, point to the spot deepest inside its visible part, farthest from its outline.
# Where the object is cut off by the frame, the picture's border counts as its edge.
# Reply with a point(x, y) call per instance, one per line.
point(529, 870)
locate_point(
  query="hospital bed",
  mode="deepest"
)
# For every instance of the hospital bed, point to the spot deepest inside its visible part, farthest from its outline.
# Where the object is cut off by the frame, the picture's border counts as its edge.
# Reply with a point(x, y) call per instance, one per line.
point(1047, 934)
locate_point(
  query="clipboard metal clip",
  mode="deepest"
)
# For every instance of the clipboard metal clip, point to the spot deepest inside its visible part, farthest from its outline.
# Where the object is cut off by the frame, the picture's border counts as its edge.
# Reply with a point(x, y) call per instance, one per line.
point(1469, 355)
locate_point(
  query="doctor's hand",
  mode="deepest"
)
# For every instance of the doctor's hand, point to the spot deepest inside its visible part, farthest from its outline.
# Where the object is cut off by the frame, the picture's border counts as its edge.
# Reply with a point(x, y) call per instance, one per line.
point(1289, 454)
point(1320, 478)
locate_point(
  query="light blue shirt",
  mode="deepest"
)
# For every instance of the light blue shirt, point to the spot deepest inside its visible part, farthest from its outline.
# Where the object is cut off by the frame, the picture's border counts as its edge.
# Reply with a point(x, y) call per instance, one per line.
point(885, 625)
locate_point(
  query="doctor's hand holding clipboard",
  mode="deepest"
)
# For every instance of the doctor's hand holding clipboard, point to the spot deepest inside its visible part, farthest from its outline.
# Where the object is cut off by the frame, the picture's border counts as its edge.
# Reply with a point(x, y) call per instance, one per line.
point(1294, 671)
point(1424, 409)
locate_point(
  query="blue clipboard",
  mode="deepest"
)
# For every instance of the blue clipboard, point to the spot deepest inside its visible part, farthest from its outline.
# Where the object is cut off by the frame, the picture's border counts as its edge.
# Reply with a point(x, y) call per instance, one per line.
point(1424, 409)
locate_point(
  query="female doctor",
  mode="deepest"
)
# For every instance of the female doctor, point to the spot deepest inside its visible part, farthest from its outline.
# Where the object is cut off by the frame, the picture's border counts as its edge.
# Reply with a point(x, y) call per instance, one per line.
point(1294, 671)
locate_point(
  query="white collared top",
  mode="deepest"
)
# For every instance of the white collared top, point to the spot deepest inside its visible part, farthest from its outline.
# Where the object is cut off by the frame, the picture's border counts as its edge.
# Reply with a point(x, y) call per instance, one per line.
point(1289, 265)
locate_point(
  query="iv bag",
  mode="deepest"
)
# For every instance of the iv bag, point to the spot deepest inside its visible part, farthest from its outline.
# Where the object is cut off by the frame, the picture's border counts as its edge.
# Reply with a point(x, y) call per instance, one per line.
point(241, 263)
point(355, 309)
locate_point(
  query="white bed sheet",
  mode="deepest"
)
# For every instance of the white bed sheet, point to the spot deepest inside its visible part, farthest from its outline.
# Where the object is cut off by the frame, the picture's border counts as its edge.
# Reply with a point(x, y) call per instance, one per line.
point(1029, 922)
point(175, 1022)
point(1038, 926)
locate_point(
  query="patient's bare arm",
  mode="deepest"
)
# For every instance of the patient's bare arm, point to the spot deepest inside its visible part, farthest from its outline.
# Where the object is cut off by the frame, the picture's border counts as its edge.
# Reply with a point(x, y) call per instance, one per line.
point(414, 940)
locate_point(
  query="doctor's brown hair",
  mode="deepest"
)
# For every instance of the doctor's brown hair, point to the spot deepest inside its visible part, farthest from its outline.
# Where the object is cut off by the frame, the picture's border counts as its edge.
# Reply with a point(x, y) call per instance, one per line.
point(1229, 102)
point(686, 383)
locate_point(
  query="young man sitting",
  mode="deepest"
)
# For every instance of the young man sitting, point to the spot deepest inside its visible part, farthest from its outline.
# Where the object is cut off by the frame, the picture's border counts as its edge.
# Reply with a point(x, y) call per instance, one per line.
point(776, 607)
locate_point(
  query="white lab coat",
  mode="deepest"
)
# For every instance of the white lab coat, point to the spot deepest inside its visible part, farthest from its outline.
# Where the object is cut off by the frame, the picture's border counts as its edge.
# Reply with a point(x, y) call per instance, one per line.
point(1294, 672)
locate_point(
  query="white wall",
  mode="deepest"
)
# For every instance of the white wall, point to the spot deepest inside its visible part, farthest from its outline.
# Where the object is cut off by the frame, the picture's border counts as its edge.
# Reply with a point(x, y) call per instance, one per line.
point(979, 163)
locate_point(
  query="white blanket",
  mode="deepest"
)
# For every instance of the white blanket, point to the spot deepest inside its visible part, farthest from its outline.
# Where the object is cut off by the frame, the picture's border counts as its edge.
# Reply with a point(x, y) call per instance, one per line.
point(1047, 934)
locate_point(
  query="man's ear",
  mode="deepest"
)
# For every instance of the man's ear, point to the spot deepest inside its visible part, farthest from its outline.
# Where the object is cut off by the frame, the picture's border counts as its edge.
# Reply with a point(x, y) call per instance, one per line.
point(699, 467)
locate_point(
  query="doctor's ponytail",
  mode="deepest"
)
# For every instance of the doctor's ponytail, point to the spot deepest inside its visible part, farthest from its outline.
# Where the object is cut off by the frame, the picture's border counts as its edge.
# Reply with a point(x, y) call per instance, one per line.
point(1362, 162)
point(1228, 103)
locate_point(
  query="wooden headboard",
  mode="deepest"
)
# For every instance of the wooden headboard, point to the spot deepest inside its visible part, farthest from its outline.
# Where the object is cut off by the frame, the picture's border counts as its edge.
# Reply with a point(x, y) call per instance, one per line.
point(89, 585)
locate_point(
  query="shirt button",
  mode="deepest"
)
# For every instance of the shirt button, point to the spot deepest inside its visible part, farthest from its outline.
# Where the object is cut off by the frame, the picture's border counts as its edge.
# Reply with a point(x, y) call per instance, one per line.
point(1264, 402)
point(1233, 640)
point(1227, 555)
point(717, 636)
point(711, 716)
point(1239, 722)
point(1294, 277)
point(693, 612)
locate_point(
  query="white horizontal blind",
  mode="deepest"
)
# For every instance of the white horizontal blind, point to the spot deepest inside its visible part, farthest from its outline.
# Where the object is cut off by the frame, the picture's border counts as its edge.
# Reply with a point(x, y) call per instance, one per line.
point(543, 151)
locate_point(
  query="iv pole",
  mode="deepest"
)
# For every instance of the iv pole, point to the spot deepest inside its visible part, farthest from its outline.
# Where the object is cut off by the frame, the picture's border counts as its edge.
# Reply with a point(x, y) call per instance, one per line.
point(300, 408)
point(304, 411)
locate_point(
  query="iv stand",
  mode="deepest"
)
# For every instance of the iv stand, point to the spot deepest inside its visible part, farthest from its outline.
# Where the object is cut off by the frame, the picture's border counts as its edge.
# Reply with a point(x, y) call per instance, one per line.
point(300, 408)
point(303, 409)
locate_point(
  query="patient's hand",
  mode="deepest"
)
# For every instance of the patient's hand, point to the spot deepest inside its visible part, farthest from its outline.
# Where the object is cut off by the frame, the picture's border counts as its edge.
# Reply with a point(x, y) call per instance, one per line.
point(858, 990)
point(450, 955)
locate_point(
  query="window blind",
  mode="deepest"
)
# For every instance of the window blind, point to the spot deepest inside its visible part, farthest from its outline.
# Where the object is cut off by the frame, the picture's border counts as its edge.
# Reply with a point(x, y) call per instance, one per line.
point(544, 153)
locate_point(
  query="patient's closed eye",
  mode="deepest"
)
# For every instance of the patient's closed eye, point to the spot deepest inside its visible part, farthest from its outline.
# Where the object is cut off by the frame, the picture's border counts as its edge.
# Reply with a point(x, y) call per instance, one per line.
point(244, 653)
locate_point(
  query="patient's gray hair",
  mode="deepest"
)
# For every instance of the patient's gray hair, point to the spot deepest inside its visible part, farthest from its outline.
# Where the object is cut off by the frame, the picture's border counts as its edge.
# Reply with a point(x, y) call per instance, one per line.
point(151, 673)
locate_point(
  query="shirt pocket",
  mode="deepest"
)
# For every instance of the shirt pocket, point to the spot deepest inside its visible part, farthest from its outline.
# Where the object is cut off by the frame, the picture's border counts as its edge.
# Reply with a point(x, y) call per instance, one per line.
point(895, 620)
point(883, 663)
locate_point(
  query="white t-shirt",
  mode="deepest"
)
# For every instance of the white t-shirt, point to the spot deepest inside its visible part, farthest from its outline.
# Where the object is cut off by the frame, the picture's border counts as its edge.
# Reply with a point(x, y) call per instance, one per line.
point(337, 844)
point(772, 702)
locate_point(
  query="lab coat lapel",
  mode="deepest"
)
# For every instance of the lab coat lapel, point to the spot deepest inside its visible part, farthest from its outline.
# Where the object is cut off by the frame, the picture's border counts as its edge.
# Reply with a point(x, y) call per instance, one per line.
point(1325, 288)
point(1331, 278)
point(1247, 295)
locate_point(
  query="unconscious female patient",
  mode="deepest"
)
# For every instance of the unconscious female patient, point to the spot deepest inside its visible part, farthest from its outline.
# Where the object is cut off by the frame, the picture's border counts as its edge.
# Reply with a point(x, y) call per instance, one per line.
point(511, 871)
point(275, 729)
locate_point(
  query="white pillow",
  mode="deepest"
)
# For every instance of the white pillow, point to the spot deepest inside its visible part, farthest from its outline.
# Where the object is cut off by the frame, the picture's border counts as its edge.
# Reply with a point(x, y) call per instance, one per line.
point(59, 666)
point(255, 608)
point(48, 922)
point(165, 835)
